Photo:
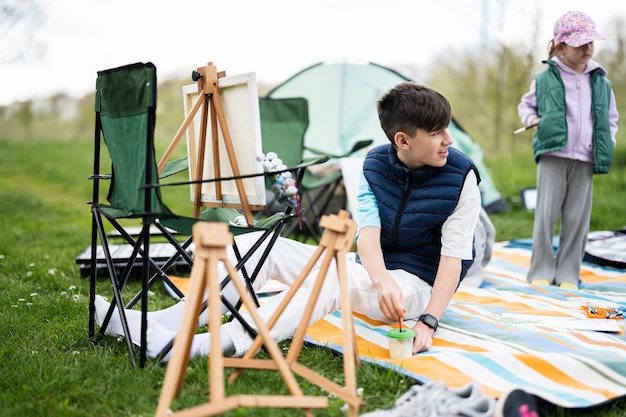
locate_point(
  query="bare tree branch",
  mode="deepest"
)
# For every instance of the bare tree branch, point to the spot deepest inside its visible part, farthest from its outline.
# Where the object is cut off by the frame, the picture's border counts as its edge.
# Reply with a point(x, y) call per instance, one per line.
point(18, 22)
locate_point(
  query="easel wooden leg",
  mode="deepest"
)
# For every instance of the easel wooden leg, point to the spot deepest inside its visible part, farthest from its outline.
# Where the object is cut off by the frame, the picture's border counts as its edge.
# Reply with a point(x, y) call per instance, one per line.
point(350, 354)
point(336, 240)
point(211, 240)
point(204, 269)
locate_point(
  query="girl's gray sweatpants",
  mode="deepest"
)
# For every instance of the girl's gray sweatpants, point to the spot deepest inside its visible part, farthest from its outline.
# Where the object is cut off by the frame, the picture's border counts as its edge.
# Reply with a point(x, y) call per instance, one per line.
point(565, 189)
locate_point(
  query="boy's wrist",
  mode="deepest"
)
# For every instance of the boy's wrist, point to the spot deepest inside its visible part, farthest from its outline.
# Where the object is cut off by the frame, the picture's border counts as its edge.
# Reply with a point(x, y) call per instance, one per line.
point(429, 321)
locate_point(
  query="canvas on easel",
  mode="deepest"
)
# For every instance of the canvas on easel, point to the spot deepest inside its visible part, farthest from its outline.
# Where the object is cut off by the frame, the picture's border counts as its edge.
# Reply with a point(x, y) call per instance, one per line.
point(207, 125)
point(240, 101)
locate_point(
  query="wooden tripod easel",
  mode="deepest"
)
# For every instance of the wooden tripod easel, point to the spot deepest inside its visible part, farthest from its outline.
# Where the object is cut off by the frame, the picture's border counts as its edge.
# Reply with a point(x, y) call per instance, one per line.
point(211, 240)
point(209, 99)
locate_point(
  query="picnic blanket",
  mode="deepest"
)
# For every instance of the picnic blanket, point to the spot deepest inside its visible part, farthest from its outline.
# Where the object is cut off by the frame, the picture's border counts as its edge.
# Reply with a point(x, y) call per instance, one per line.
point(508, 334)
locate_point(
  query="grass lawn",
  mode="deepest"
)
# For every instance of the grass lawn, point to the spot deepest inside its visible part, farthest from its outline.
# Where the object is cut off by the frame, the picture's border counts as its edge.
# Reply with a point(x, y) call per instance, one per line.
point(49, 368)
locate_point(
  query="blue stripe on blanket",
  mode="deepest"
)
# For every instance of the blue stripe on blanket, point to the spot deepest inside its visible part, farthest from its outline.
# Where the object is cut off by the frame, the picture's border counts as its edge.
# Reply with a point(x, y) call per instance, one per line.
point(563, 365)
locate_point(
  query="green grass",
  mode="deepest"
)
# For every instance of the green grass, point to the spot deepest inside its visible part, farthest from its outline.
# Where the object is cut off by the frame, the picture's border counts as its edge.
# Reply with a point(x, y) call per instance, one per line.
point(49, 368)
point(511, 173)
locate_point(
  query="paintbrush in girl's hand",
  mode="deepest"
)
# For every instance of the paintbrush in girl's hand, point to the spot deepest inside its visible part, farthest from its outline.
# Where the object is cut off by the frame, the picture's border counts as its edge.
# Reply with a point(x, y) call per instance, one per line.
point(523, 129)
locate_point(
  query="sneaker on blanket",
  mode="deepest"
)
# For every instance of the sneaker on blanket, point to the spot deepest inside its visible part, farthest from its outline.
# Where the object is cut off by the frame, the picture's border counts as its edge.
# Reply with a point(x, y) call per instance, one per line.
point(540, 282)
point(410, 401)
point(450, 406)
point(566, 285)
point(517, 403)
point(436, 400)
point(469, 391)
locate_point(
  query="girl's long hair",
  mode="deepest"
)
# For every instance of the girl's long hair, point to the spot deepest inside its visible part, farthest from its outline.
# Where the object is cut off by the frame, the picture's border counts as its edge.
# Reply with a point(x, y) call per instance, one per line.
point(551, 48)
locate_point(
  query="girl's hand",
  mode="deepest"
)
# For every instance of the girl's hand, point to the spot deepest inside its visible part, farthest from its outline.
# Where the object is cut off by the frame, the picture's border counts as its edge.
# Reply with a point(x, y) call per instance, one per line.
point(535, 122)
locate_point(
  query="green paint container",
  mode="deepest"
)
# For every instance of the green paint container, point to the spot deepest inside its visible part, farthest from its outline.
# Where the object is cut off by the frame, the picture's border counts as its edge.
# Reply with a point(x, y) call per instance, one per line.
point(400, 343)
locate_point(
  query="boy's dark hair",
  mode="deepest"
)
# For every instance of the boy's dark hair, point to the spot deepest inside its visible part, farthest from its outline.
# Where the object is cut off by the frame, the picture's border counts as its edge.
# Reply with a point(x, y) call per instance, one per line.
point(410, 106)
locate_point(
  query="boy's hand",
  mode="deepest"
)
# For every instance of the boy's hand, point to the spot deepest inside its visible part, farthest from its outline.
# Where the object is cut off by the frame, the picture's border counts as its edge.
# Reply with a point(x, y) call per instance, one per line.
point(390, 299)
point(423, 338)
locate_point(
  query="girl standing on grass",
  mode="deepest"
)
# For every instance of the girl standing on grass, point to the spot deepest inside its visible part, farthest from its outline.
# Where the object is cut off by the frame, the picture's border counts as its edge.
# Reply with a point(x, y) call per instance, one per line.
point(572, 105)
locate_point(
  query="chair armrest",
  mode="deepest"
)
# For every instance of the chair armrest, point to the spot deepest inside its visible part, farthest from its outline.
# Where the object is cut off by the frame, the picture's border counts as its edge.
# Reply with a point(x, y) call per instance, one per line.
point(361, 144)
point(174, 167)
point(311, 160)
point(306, 162)
point(100, 177)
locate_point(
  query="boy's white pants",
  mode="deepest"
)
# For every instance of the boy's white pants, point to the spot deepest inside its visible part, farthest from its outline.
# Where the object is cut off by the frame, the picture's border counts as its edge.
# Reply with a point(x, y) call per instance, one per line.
point(285, 262)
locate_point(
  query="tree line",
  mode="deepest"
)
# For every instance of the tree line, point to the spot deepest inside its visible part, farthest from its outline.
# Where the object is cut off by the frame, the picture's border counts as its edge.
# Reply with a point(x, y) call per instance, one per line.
point(485, 86)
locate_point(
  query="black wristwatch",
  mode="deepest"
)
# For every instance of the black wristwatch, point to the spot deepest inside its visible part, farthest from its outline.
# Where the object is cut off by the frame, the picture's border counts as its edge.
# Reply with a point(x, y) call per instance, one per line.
point(429, 320)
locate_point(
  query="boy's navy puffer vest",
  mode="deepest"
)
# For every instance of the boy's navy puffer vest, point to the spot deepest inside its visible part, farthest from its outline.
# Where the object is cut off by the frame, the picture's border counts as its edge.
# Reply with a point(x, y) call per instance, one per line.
point(413, 205)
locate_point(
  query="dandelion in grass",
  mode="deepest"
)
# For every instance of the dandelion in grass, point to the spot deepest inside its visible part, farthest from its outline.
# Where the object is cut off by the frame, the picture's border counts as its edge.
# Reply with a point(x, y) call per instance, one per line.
point(52, 271)
point(22, 301)
point(29, 273)
point(73, 290)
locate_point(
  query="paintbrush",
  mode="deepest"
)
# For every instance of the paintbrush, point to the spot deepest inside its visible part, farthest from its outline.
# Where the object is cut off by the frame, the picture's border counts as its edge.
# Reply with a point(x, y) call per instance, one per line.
point(523, 129)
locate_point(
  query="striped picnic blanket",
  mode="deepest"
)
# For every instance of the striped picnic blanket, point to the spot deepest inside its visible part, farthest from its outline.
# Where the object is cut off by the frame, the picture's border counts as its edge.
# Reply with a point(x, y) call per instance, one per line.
point(508, 334)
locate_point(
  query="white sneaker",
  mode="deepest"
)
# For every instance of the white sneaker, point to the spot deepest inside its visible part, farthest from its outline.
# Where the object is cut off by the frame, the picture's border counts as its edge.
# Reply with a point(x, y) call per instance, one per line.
point(448, 405)
point(469, 391)
point(434, 399)
point(409, 402)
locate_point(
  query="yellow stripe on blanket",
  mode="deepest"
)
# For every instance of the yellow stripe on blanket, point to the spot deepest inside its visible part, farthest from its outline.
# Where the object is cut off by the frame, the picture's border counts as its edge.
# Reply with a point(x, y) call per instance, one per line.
point(563, 365)
point(557, 375)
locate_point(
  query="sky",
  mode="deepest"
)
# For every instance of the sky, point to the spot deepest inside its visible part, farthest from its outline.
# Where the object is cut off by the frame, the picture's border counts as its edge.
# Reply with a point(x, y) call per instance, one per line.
point(273, 38)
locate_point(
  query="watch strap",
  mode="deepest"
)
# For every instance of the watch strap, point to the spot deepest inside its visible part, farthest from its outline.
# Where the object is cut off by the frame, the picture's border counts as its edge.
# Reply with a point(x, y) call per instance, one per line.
point(429, 320)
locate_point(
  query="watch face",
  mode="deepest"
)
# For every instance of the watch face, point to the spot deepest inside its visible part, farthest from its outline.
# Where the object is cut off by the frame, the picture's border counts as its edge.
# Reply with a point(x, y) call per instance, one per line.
point(429, 320)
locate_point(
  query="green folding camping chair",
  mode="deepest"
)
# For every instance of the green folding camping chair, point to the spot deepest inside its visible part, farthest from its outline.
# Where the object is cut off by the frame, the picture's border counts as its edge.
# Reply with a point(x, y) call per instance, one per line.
point(284, 122)
point(125, 107)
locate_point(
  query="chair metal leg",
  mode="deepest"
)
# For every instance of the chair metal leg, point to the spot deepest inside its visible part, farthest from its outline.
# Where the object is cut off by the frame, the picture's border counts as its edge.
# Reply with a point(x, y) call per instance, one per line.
point(116, 286)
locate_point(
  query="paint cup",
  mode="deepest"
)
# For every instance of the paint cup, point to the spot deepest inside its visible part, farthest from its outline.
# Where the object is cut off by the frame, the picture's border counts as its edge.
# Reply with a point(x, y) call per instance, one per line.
point(400, 343)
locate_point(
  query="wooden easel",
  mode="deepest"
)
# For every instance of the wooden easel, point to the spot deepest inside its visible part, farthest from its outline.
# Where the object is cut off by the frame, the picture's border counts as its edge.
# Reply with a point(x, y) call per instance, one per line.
point(209, 99)
point(211, 240)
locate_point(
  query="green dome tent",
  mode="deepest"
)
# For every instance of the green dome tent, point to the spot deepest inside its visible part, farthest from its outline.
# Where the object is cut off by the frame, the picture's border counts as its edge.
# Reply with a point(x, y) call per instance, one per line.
point(342, 110)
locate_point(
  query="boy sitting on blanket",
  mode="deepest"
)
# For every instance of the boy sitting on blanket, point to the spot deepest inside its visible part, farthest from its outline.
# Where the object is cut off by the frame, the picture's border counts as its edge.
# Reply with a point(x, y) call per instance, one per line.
point(419, 206)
